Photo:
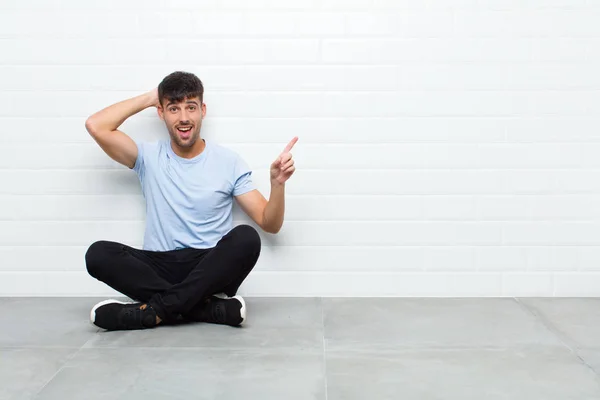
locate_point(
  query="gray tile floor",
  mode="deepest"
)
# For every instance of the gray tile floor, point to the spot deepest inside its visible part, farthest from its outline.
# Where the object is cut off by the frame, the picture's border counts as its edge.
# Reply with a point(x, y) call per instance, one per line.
point(310, 348)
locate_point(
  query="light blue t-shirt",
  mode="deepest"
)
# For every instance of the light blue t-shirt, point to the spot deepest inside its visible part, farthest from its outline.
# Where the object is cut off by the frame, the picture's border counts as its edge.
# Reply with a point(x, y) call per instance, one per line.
point(189, 201)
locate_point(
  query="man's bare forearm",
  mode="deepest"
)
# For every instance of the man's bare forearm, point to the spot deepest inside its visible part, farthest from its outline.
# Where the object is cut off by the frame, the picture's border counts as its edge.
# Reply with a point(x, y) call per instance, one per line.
point(111, 117)
point(281, 170)
point(275, 209)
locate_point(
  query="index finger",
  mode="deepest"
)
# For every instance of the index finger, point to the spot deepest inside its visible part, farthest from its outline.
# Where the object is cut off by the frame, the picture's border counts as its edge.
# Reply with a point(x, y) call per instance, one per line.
point(291, 144)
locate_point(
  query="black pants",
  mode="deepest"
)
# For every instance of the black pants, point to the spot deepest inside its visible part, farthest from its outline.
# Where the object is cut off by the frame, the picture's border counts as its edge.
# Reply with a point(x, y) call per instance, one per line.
point(177, 282)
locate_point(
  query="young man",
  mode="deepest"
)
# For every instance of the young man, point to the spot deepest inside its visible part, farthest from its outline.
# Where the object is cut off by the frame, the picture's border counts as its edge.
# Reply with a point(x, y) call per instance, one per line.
point(193, 261)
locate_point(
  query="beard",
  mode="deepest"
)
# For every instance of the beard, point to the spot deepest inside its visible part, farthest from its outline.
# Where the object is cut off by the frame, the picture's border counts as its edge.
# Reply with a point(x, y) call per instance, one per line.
point(185, 143)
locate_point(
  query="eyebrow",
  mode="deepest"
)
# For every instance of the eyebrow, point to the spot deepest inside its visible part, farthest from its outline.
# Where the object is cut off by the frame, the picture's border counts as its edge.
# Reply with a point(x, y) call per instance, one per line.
point(187, 102)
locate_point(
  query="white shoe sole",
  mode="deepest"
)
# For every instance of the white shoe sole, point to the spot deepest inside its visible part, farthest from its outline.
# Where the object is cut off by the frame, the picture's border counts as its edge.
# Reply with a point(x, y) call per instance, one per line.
point(103, 303)
point(243, 309)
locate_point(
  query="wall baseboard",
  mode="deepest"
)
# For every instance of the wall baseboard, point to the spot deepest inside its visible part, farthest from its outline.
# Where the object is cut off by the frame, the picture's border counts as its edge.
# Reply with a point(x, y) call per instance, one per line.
point(338, 284)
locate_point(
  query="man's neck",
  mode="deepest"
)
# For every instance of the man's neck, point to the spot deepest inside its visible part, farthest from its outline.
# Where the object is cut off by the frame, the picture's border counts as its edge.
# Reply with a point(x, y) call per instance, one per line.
point(189, 152)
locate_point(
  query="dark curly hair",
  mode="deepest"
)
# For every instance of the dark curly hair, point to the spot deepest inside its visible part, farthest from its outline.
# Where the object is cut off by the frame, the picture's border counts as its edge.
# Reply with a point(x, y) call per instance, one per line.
point(178, 86)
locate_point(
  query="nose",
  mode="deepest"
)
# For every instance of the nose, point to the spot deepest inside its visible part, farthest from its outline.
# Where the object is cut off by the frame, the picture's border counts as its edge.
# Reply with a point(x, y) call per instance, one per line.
point(185, 119)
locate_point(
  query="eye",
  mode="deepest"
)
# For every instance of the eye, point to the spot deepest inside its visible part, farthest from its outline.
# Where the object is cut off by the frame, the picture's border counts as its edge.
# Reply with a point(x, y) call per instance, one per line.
point(173, 109)
point(193, 108)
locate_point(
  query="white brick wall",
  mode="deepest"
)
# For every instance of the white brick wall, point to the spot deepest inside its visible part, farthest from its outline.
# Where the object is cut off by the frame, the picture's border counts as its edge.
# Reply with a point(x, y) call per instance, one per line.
point(447, 147)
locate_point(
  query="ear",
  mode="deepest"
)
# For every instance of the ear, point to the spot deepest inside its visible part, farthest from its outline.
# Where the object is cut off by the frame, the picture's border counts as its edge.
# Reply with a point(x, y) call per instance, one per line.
point(160, 112)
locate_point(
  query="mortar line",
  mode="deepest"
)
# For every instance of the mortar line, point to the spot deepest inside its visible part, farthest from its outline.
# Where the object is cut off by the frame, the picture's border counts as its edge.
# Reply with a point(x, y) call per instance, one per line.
point(71, 357)
point(556, 332)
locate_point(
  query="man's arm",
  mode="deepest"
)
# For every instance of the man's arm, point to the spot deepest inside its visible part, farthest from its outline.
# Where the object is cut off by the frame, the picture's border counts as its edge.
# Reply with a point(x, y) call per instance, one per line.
point(103, 127)
point(269, 214)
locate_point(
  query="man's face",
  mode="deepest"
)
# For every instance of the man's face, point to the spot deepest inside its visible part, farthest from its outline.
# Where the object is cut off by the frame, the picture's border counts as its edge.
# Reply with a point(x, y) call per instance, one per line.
point(183, 120)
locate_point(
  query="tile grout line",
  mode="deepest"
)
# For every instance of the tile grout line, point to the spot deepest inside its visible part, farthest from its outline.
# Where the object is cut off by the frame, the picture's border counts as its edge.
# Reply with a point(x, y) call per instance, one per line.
point(324, 349)
point(72, 356)
point(556, 332)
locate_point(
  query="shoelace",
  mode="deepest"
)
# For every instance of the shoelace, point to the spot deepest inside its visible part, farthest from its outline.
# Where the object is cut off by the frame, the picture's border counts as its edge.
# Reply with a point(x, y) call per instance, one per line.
point(133, 315)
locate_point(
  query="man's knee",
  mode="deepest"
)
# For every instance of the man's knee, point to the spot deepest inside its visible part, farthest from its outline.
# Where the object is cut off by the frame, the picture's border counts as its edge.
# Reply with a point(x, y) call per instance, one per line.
point(248, 238)
point(96, 258)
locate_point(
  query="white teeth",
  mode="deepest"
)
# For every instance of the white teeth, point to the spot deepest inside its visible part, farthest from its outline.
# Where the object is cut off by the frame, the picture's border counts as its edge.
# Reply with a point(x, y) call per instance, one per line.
point(184, 129)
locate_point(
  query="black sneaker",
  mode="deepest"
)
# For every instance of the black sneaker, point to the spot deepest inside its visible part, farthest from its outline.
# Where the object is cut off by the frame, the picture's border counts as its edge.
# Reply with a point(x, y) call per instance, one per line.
point(226, 311)
point(114, 315)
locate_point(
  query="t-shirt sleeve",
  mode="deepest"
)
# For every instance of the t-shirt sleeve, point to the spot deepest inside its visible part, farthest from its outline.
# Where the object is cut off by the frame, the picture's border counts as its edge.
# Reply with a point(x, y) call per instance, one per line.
point(139, 166)
point(243, 182)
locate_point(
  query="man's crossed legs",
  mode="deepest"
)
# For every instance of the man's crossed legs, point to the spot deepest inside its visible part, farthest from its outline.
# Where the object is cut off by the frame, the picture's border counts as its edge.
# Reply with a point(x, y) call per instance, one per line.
point(172, 285)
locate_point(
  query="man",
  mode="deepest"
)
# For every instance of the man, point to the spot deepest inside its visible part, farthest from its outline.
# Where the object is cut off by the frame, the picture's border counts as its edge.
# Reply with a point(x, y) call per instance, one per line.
point(193, 261)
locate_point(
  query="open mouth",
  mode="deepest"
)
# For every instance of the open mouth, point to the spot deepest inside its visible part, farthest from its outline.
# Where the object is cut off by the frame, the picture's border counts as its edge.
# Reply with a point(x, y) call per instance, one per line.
point(184, 131)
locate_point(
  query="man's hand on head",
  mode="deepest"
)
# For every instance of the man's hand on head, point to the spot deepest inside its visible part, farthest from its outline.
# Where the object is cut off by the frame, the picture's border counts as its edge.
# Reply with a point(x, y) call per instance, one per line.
point(283, 167)
point(154, 97)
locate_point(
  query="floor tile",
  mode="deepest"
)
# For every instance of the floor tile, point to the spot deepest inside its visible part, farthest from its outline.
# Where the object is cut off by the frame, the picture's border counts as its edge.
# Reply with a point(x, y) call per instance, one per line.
point(591, 357)
point(46, 322)
point(380, 323)
point(189, 374)
point(545, 374)
point(577, 320)
point(23, 372)
point(376, 348)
